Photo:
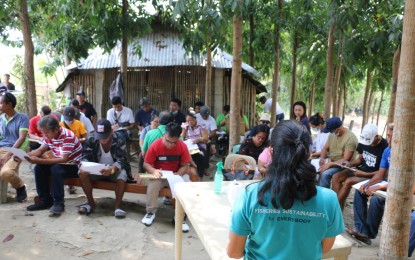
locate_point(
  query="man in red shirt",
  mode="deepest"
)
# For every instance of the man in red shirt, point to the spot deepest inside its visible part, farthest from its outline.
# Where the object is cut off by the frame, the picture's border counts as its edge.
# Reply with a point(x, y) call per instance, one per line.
point(67, 154)
point(167, 153)
point(34, 131)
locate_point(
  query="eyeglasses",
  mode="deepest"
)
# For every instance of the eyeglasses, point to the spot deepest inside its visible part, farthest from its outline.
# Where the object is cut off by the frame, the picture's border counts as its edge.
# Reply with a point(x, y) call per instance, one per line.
point(170, 142)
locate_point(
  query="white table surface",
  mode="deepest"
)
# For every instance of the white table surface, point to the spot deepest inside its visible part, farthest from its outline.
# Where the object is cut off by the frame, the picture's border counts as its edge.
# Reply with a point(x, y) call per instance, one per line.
point(210, 213)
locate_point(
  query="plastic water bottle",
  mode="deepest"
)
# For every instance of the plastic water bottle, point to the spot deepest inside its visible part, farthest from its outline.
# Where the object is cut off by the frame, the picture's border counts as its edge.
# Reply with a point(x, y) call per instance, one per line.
point(218, 178)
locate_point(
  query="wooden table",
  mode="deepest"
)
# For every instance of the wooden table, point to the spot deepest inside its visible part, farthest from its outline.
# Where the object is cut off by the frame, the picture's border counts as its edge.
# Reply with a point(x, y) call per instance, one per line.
point(210, 213)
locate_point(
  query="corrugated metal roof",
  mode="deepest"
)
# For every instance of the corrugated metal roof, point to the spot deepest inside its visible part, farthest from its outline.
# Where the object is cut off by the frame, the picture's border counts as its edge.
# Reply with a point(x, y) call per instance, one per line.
point(159, 49)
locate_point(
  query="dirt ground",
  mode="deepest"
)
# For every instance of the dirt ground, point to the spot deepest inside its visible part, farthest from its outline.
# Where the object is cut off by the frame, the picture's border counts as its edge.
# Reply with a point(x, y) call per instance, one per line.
point(101, 236)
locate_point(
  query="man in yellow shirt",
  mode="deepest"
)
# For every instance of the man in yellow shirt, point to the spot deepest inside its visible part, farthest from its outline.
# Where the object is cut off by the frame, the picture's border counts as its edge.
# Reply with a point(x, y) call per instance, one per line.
point(73, 124)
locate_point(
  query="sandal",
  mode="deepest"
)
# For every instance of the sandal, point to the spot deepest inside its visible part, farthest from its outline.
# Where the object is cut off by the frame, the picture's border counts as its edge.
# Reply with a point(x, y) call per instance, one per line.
point(85, 209)
point(119, 213)
point(359, 236)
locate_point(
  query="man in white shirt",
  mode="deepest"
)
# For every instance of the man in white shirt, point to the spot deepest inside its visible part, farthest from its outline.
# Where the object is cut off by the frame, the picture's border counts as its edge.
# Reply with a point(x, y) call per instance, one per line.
point(267, 108)
point(120, 117)
point(205, 120)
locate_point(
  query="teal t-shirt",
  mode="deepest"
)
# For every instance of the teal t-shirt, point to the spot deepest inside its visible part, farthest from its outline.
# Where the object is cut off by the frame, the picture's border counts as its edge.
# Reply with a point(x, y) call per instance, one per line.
point(152, 136)
point(295, 233)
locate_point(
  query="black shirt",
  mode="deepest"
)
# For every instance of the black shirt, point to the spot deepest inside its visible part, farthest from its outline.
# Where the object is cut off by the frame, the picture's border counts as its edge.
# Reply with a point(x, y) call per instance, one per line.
point(179, 118)
point(9, 87)
point(371, 156)
point(88, 109)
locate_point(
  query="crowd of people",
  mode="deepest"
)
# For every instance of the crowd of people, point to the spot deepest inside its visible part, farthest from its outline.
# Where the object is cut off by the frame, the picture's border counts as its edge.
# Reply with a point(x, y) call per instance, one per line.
point(307, 166)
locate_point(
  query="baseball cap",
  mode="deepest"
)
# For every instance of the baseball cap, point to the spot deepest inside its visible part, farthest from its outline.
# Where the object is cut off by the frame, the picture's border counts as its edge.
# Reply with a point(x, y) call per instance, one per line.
point(204, 111)
point(69, 114)
point(265, 117)
point(332, 124)
point(81, 92)
point(102, 129)
point(368, 134)
point(144, 101)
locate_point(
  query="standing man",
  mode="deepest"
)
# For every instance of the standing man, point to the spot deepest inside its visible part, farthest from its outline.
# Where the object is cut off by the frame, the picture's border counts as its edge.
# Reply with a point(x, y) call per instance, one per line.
point(178, 116)
point(341, 145)
point(121, 117)
point(86, 107)
point(267, 108)
point(13, 133)
point(51, 172)
point(34, 131)
point(144, 114)
point(6, 85)
point(106, 148)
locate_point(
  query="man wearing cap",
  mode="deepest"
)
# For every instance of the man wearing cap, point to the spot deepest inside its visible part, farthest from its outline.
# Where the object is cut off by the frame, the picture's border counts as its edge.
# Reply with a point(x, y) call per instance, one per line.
point(13, 133)
point(121, 117)
point(144, 114)
point(207, 122)
point(6, 85)
point(109, 148)
point(265, 119)
point(76, 126)
point(267, 108)
point(84, 120)
point(367, 220)
point(51, 172)
point(86, 107)
point(341, 145)
point(370, 150)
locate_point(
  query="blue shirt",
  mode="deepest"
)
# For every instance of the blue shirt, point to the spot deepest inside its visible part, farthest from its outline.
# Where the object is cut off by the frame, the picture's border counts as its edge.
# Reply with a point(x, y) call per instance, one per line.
point(143, 118)
point(386, 159)
point(9, 129)
point(295, 233)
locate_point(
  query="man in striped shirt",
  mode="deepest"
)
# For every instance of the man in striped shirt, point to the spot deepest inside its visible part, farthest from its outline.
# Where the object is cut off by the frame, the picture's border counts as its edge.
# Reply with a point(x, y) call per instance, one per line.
point(67, 154)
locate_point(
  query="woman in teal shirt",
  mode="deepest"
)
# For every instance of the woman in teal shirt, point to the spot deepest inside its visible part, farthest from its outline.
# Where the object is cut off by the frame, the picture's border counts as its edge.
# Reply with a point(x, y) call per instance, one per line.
point(285, 216)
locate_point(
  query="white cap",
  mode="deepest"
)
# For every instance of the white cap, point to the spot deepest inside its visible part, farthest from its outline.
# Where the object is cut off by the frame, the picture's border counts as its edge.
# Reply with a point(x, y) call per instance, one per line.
point(265, 117)
point(368, 134)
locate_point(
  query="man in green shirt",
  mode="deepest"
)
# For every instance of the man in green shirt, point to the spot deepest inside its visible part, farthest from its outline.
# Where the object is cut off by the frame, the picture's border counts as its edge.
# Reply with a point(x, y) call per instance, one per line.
point(165, 118)
point(220, 120)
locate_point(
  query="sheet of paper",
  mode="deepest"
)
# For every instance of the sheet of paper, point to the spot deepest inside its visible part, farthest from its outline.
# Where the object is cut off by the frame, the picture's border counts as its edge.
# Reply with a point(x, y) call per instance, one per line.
point(344, 166)
point(190, 145)
point(174, 179)
point(93, 168)
point(357, 185)
point(17, 152)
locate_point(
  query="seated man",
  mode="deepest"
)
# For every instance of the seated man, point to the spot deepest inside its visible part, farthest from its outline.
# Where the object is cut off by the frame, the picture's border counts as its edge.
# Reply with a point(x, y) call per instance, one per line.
point(341, 145)
point(84, 120)
point(73, 124)
point(167, 153)
point(67, 154)
point(13, 133)
point(34, 132)
point(106, 148)
point(164, 118)
point(370, 149)
point(366, 221)
point(121, 117)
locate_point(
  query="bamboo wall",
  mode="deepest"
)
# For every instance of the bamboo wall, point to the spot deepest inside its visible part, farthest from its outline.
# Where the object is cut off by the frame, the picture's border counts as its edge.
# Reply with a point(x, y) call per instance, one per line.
point(85, 81)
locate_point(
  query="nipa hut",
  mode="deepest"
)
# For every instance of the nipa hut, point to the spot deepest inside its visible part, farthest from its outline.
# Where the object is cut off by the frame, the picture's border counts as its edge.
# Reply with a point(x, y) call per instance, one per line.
point(163, 71)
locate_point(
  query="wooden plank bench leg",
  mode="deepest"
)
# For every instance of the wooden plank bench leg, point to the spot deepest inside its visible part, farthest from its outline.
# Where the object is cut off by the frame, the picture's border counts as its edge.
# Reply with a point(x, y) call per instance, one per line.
point(3, 191)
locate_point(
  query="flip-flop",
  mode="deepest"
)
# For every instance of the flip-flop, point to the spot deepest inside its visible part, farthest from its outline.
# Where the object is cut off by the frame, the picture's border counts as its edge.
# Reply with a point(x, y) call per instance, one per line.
point(358, 236)
point(85, 209)
point(119, 213)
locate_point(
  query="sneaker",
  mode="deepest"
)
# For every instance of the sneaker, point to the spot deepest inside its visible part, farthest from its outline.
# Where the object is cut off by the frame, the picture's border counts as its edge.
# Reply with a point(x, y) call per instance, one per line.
point(148, 219)
point(185, 227)
point(21, 194)
point(56, 209)
point(167, 201)
point(40, 206)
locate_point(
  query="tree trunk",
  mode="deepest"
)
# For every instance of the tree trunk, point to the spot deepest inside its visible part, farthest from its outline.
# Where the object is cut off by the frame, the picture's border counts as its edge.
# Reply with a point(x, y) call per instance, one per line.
point(236, 82)
point(336, 87)
point(124, 46)
point(29, 72)
point(373, 108)
point(341, 99)
point(293, 72)
point(344, 101)
point(380, 106)
point(366, 105)
point(329, 76)
point(208, 85)
point(395, 69)
point(311, 99)
point(275, 76)
point(396, 220)
point(251, 36)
